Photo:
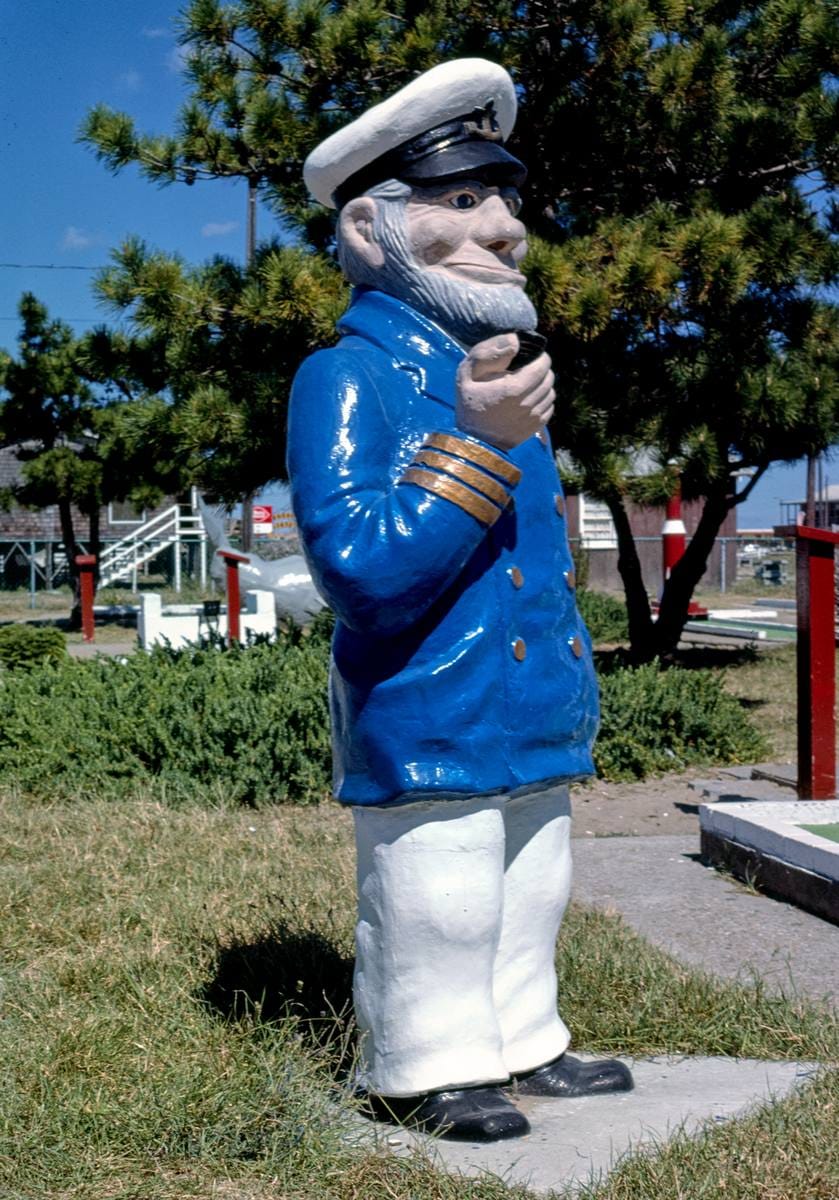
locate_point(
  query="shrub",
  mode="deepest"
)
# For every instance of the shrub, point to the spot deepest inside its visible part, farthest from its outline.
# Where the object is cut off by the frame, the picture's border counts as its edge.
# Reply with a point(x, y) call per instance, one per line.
point(25, 645)
point(250, 725)
point(604, 615)
point(655, 720)
point(242, 725)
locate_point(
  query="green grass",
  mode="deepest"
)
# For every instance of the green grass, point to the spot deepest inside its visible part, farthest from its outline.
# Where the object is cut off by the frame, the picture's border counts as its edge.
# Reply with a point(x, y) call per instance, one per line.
point(16, 603)
point(763, 680)
point(785, 1152)
point(174, 1011)
point(829, 831)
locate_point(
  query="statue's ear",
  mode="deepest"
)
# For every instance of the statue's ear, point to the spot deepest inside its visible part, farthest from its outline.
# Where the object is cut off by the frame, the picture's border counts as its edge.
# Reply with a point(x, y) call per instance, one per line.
point(356, 226)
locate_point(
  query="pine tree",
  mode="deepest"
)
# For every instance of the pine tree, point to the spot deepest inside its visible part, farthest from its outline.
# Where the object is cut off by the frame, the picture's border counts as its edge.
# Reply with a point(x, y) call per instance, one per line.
point(79, 448)
point(684, 167)
point(267, 80)
point(221, 342)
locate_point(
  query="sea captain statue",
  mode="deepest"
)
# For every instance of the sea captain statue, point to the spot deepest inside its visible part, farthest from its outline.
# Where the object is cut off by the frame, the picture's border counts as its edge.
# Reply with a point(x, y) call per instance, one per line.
point(462, 690)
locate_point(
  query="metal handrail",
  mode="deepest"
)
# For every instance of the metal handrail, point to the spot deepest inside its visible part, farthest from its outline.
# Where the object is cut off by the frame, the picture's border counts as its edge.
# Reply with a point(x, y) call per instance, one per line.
point(137, 547)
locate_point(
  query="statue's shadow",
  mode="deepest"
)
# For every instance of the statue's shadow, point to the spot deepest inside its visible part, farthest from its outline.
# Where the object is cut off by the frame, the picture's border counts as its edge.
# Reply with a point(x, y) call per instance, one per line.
point(285, 974)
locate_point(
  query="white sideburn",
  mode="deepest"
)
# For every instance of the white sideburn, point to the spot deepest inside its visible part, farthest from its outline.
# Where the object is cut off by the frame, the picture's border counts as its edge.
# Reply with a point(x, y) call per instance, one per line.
point(460, 902)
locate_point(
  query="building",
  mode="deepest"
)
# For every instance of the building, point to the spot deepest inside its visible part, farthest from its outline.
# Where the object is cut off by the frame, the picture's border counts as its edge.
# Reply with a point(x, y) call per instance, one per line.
point(826, 512)
point(592, 531)
point(32, 549)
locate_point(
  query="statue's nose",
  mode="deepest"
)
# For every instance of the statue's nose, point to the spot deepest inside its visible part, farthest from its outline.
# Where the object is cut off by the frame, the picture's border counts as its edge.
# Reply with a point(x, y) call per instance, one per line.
point(496, 228)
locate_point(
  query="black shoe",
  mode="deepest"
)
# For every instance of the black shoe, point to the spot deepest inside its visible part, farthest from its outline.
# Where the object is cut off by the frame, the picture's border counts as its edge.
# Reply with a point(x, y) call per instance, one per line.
point(567, 1076)
point(480, 1114)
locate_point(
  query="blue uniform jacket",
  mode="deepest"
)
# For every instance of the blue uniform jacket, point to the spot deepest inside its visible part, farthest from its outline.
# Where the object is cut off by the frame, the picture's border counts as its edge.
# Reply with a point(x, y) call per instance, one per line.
point(460, 662)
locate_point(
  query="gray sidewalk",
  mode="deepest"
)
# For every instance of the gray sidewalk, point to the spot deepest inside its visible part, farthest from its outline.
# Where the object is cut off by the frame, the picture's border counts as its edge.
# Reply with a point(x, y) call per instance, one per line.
point(577, 1141)
point(704, 918)
point(108, 649)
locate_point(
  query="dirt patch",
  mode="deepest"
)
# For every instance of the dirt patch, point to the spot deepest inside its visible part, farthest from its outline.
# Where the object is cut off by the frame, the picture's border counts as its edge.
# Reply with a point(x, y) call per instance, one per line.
point(648, 807)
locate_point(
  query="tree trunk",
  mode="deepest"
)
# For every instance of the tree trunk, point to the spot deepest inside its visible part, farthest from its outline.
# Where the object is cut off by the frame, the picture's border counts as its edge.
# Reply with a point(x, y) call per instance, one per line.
point(641, 627)
point(810, 502)
point(71, 549)
point(679, 588)
point(246, 524)
point(94, 541)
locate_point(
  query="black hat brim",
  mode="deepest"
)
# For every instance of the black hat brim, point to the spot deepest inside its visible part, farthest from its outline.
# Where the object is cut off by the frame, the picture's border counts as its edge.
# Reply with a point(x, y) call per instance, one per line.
point(486, 161)
point(476, 158)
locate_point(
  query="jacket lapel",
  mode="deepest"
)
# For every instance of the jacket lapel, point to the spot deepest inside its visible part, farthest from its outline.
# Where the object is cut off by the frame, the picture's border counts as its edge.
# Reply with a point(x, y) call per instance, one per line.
point(416, 344)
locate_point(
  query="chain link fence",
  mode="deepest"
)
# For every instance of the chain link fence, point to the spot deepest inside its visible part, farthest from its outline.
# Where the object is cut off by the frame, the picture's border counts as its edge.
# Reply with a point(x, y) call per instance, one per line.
point(740, 566)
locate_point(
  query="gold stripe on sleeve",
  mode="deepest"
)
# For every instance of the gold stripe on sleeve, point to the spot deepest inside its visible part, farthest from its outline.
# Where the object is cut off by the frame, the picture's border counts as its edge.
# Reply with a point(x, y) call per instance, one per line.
point(476, 479)
point(476, 454)
point(441, 485)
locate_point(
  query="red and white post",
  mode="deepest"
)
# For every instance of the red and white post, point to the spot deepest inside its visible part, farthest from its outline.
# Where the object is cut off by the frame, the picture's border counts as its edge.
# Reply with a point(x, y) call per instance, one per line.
point(673, 534)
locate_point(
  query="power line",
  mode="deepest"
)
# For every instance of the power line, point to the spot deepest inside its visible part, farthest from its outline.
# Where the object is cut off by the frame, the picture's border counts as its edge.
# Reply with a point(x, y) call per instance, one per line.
point(46, 267)
point(72, 320)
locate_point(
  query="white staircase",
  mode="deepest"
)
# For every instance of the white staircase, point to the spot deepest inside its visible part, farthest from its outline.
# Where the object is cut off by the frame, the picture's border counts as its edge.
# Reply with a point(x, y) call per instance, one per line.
point(170, 528)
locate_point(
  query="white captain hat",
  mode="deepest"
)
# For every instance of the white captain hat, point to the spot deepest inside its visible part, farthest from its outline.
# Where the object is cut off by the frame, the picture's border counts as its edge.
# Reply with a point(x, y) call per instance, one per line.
point(448, 123)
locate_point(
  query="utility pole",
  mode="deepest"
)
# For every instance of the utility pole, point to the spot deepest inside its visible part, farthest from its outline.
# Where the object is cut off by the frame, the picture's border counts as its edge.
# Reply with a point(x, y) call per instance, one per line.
point(246, 523)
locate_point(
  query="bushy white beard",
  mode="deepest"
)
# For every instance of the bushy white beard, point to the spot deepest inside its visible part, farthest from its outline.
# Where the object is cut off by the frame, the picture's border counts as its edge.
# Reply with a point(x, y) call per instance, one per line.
point(468, 311)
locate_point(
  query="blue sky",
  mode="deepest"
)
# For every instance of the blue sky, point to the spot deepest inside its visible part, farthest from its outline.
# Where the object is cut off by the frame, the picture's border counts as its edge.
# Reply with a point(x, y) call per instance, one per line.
point(59, 205)
point(60, 208)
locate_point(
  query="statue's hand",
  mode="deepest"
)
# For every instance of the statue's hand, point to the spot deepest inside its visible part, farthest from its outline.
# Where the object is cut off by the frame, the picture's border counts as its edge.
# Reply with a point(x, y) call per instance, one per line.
point(499, 406)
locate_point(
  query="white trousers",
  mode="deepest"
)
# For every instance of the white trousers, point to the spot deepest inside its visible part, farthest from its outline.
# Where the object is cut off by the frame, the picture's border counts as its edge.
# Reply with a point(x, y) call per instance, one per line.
point(460, 902)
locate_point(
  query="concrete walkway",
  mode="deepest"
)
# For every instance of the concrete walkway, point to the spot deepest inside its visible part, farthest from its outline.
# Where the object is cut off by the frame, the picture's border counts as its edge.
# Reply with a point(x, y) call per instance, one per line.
point(577, 1141)
point(704, 918)
point(108, 649)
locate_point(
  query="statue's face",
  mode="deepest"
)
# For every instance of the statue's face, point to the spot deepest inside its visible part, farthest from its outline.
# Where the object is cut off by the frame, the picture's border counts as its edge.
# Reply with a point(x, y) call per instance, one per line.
point(450, 251)
point(468, 231)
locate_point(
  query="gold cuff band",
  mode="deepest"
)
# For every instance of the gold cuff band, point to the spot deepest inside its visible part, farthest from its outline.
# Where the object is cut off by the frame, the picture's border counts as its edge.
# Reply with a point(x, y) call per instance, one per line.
point(476, 479)
point(476, 454)
point(441, 485)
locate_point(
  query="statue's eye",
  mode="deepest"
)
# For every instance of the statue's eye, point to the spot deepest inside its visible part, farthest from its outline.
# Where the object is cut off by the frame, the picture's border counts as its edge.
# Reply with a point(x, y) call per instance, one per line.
point(464, 200)
point(513, 203)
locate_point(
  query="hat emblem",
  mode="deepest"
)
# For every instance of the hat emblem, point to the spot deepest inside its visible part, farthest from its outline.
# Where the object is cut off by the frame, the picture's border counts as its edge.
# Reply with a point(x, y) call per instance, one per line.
point(484, 123)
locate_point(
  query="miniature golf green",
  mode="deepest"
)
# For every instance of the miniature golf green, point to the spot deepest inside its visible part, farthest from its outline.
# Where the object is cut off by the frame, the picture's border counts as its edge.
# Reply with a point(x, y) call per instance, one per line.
point(831, 832)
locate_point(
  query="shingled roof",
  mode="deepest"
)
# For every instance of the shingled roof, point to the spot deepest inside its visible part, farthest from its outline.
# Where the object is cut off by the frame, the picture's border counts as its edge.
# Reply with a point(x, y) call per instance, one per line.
point(43, 524)
point(21, 522)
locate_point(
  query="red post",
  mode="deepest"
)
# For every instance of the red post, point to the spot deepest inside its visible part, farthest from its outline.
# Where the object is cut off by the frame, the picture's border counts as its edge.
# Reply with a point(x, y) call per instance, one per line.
point(87, 587)
point(231, 562)
point(816, 652)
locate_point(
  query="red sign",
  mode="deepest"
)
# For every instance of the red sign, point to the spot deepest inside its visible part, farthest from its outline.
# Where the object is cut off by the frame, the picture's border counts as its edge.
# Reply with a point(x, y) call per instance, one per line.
point(263, 518)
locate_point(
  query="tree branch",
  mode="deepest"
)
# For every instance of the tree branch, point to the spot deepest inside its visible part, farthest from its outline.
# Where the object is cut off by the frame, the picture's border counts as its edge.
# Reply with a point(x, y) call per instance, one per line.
point(750, 486)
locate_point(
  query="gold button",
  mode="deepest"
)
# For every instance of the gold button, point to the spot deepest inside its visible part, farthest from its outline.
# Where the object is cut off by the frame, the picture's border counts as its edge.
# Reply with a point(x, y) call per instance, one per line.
point(577, 647)
point(571, 579)
point(560, 505)
point(516, 577)
point(520, 649)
